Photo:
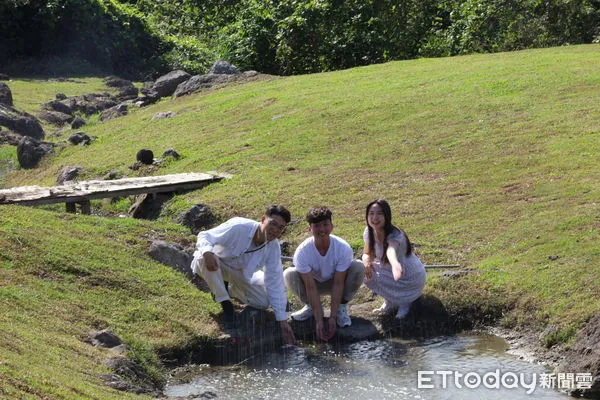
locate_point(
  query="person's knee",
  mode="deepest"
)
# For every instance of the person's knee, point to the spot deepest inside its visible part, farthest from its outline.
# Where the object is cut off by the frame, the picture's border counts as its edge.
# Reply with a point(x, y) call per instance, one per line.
point(354, 279)
point(258, 299)
point(261, 304)
point(290, 277)
point(357, 270)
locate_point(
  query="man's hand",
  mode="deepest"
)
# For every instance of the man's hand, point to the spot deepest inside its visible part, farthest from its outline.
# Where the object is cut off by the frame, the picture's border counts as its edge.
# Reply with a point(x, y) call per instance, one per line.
point(321, 330)
point(287, 334)
point(331, 327)
point(325, 331)
point(210, 261)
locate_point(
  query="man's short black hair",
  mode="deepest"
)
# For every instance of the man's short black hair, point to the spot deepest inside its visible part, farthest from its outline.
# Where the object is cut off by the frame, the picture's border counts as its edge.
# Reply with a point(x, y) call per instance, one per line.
point(279, 210)
point(318, 214)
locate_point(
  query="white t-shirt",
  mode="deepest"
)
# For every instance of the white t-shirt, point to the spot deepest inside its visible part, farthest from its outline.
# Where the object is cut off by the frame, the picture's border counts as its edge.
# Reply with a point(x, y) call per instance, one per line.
point(307, 258)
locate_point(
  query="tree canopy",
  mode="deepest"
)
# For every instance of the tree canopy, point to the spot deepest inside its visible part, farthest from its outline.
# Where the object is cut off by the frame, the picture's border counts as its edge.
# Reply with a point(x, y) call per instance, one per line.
point(142, 38)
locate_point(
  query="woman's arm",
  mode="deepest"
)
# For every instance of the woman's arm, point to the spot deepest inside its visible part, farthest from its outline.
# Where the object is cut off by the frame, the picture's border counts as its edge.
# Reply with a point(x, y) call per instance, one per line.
point(368, 262)
point(393, 250)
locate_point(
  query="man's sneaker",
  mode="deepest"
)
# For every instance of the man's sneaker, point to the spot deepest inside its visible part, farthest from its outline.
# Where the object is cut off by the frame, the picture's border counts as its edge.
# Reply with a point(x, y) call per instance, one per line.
point(343, 319)
point(386, 308)
point(403, 311)
point(303, 314)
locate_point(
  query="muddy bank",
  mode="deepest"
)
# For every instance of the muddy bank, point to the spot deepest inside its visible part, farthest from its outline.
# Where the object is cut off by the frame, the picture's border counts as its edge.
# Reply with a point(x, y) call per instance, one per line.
point(580, 356)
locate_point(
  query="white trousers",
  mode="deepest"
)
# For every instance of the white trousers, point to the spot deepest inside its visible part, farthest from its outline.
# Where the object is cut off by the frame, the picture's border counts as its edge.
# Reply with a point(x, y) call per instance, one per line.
point(254, 295)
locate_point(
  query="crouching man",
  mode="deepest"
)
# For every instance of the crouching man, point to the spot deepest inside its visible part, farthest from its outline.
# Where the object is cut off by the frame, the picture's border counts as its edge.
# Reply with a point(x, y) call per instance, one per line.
point(246, 255)
point(324, 264)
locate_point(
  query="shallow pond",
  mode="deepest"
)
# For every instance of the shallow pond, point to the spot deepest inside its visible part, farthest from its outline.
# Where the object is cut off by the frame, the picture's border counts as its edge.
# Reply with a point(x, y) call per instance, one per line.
point(380, 369)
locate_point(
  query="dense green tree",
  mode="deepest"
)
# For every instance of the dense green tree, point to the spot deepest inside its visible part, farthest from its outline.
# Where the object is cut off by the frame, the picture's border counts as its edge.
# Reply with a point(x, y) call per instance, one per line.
point(145, 37)
point(108, 34)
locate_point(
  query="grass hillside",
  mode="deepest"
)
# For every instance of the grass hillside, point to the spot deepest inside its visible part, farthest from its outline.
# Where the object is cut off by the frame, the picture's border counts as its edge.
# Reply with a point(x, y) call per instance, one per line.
point(488, 161)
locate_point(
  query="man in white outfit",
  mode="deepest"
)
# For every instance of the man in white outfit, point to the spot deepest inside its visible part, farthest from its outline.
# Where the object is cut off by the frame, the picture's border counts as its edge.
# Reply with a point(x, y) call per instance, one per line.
point(246, 254)
point(324, 264)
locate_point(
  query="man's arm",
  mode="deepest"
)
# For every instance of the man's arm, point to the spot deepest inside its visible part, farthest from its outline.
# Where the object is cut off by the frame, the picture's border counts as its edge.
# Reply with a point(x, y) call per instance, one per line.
point(287, 333)
point(230, 235)
point(314, 301)
point(339, 280)
point(276, 292)
point(313, 295)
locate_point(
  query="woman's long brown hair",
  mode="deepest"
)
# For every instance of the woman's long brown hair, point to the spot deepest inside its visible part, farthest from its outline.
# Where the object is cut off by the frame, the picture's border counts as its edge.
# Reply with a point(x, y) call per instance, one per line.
point(387, 228)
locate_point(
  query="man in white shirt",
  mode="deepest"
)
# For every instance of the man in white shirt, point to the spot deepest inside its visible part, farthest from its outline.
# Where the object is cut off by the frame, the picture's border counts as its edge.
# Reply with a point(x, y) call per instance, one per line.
point(324, 264)
point(247, 255)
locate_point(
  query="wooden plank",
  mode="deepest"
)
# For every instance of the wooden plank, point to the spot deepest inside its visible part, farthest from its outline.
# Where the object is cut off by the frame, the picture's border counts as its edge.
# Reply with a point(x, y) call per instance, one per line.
point(85, 191)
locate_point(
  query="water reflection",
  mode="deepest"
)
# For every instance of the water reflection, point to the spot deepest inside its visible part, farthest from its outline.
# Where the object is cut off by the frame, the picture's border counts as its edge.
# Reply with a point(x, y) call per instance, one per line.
point(369, 370)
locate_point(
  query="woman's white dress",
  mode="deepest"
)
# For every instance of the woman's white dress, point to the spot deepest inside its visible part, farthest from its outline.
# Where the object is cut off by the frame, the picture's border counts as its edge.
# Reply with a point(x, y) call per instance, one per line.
point(409, 287)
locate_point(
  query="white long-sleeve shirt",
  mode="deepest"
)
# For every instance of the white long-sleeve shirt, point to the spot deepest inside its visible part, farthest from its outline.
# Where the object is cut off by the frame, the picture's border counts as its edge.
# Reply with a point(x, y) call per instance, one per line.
point(231, 242)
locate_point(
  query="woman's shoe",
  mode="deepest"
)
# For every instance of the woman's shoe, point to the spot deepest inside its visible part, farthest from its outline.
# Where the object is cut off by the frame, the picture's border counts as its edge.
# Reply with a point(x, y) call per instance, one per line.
point(386, 308)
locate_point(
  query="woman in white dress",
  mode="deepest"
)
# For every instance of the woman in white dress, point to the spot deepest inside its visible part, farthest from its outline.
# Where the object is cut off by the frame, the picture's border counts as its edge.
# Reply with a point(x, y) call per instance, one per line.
point(392, 270)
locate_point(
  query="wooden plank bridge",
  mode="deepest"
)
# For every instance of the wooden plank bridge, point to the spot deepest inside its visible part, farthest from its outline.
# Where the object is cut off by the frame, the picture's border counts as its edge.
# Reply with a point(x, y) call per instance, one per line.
point(81, 193)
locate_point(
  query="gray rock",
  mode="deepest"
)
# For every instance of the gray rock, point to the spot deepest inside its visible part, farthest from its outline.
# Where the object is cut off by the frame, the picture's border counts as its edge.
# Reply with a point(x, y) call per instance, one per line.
point(223, 67)
point(198, 82)
point(127, 90)
point(20, 122)
point(5, 95)
point(92, 103)
point(116, 82)
point(114, 112)
point(128, 93)
point(68, 174)
point(30, 152)
point(55, 117)
point(105, 338)
point(197, 218)
point(172, 255)
point(149, 206)
point(77, 123)
point(166, 84)
point(56, 105)
point(81, 138)
point(161, 115)
point(171, 153)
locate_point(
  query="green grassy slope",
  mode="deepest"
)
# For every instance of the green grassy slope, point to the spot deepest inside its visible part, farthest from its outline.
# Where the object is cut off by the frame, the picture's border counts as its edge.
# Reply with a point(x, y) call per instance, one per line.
point(489, 161)
point(64, 276)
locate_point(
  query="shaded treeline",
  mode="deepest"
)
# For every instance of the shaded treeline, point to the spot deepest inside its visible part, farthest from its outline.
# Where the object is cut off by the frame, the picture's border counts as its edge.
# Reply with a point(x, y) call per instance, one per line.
point(142, 38)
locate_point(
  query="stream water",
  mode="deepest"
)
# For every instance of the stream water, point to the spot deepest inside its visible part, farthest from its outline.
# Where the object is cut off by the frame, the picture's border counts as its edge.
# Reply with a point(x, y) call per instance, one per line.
point(381, 369)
